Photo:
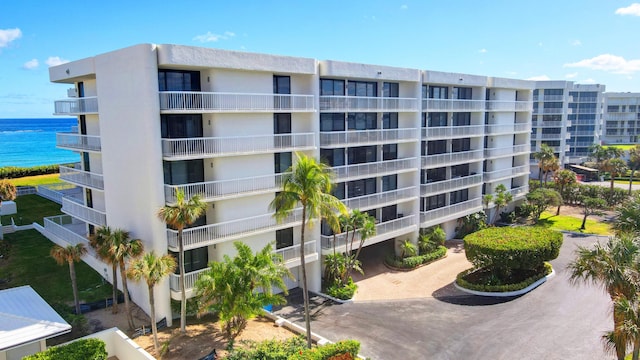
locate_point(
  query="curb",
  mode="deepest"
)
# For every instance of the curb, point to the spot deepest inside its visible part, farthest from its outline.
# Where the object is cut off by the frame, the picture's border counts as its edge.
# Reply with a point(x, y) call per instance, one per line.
point(508, 293)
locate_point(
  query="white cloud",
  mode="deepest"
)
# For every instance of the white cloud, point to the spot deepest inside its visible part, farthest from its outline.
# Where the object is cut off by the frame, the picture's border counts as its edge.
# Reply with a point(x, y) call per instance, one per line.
point(609, 63)
point(31, 64)
point(571, 75)
point(588, 81)
point(55, 60)
point(511, 73)
point(482, 51)
point(8, 35)
point(633, 9)
point(211, 37)
point(576, 43)
point(539, 78)
point(404, 7)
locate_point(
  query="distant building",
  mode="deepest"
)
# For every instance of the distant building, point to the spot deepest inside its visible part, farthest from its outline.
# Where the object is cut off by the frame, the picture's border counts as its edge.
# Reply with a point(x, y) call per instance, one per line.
point(621, 118)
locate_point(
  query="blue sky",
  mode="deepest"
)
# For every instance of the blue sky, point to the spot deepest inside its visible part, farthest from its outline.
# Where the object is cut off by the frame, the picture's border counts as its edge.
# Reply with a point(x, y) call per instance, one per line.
point(587, 41)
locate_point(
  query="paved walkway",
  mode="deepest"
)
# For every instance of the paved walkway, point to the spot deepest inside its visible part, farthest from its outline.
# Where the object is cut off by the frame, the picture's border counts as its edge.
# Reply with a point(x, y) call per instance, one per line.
point(607, 184)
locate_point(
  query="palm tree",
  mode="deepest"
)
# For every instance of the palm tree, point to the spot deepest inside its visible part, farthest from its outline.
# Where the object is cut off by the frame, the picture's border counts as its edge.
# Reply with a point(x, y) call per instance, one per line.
point(629, 330)
point(362, 224)
point(544, 156)
point(152, 269)
point(551, 166)
point(609, 266)
point(616, 167)
point(178, 216)
point(407, 248)
point(307, 183)
point(628, 218)
point(563, 178)
point(70, 255)
point(123, 248)
point(604, 158)
point(101, 242)
point(502, 198)
point(633, 163)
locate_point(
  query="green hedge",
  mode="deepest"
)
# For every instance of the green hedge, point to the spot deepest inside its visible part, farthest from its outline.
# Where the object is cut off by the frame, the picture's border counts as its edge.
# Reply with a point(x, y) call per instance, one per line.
point(12, 172)
point(292, 349)
point(500, 288)
point(85, 349)
point(415, 261)
point(325, 352)
point(344, 292)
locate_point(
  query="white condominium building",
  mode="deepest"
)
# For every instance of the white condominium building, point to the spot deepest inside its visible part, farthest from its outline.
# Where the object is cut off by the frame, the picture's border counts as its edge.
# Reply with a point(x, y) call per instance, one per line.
point(413, 148)
point(621, 118)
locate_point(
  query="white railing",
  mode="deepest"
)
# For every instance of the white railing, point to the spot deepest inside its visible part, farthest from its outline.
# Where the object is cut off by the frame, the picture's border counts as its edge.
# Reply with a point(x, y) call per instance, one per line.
point(190, 279)
point(507, 129)
point(519, 191)
point(559, 124)
point(452, 105)
point(79, 106)
point(551, 136)
point(90, 215)
point(553, 98)
point(379, 199)
point(381, 229)
point(507, 151)
point(189, 148)
point(78, 142)
point(552, 110)
point(214, 190)
point(445, 132)
point(585, 99)
point(55, 192)
point(292, 253)
point(61, 226)
point(581, 144)
point(451, 158)
point(379, 136)
point(81, 177)
point(214, 233)
point(506, 105)
point(621, 116)
point(197, 101)
point(456, 210)
point(450, 185)
point(506, 173)
point(367, 104)
point(379, 168)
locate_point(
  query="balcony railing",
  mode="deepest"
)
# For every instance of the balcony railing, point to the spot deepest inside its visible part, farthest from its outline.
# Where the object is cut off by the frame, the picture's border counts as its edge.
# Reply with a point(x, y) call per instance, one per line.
point(551, 136)
point(367, 104)
point(195, 101)
point(519, 191)
point(553, 97)
point(581, 144)
point(383, 228)
point(427, 218)
point(82, 212)
point(81, 177)
point(505, 105)
point(365, 137)
point(447, 132)
point(68, 229)
point(507, 151)
point(78, 106)
point(453, 105)
point(380, 168)
point(190, 279)
point(450, 185)
point(506, 173)
point(225, 189)
point(215, 233)
point(507, 129)
point(193, 148)
point(381, 199)
point(437, 160)
point(291, 255)
point(76, 142)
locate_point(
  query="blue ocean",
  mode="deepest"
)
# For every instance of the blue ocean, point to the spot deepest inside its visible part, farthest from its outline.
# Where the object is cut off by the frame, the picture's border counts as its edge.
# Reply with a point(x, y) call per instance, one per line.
point(32, 142)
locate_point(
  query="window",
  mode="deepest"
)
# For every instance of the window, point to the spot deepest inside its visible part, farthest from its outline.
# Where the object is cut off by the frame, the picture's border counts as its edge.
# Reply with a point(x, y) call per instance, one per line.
point(458, 196)
point(181, 126)
point(458, 145)
point(284, 238)
point(462, 93)
point(195, 259)
point(437, 119)
point(332, 122)
point(178, 80)
point(425, 91)
point(389, 182)
point(390, 120)
point(282, 123)
point(459, 171)
point(389, 213)
point(361, 187)
point(183, 172)
point(436, 147)
point(362, 121)
point(432, 202)
point(555, 105)
point(281, 84)
point(461, 119)
point(438, 92)
point(435, 175)
point(331, 87)
point(361, 154)
point(632, 108)
point(613, 108)
point(338, 191)
point(553, 91)
point(390, 89)
point(281, 162)
point(389, 152)
point(332, 157)
point(362, 88)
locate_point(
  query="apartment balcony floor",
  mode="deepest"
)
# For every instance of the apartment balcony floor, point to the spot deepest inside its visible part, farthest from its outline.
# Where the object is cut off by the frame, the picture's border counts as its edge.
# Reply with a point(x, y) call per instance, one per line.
point(76, 106)
point(367, 104)
point(384, 231)
point(371, 169)
point(225, 102)
point(367, 137)
point(381, 199)
point(452, 158)
point(452, 132)
point(79, 177)
point(77, 142)
point(450, 185)
point(449, 212)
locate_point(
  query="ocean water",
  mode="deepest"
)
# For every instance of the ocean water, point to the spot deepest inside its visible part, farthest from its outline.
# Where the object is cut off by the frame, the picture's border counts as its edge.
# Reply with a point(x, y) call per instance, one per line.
point(32, 142)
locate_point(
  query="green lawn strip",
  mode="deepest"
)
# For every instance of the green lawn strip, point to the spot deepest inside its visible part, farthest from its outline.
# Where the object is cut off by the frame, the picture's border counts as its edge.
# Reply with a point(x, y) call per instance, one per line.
point(32, 208)
point(36, 180)
point(626, 182)
point(571, 223)
point(29, 263)
point(624, 147)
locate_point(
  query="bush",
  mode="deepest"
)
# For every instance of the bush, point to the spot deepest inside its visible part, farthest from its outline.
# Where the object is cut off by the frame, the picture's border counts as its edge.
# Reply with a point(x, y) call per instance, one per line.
point(293, 349)
point(503, 250)
point(471, 223)
point(85, 349)
point(329, 351)
point(343, 292)
point(415, 261)
point(12, 172)
point(460, 280)
point(508, 217)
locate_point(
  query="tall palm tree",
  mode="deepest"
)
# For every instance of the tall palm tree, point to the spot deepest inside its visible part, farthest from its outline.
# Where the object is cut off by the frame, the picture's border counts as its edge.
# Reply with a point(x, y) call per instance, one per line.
point(307, 183)
point(122, 249)
point(609, 266)
point(152, 269)
point(544, 156)
point(364, 225)
point(563, 178)
point(629, 330)
point(101, 242)
point(178, 216)
point(616, 167)
point(628, 217)
point(70, 255)
point(551, 166)
point(607, 159)
point(633, 163)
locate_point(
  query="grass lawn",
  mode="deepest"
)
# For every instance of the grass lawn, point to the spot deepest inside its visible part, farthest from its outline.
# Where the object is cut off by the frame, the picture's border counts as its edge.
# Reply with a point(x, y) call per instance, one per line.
point(626, 182)
point(28, 263)
point(36, 180)
point(570, 223)
point(624, 147)
point(32, 208)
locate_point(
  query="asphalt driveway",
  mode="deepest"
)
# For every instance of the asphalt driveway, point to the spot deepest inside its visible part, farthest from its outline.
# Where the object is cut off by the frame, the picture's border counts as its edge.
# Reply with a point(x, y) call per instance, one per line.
point(555, 321)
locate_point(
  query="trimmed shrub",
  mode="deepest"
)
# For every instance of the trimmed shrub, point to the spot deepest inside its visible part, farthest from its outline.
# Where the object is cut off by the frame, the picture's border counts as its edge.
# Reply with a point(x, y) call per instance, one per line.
point(415, 261)
point(343, 292)
point(460, 280)
point(294, 349)
point(85, 349)
point(330, 351)
point(12, 172)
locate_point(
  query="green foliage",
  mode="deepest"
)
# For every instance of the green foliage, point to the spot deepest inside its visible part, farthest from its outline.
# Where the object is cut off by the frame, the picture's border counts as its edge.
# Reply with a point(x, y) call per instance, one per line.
point(503, 250)
point(292, 349)
point(628, 217)
point(460, 280)
point(12, 172)
point(471, 223)
point(328, 351)
point(540, 199)
point(7, 191)
point(415, 261)
point(407, 248)
point(192, 306)
point(343, 291)
point(508, 217)
point(85, 349)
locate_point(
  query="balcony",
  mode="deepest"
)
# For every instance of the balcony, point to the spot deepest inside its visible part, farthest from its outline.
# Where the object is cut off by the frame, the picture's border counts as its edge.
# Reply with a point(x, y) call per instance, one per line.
point(190, 279)
point(506, 173)
point(78, 106)
point(449, 132)
point(220, 102)
point(230, 230)
point(490, 153)
point(507, 129)
point(384, 231)
point(226, 189)
point(502, 105)
point(76, 142)
point(451, 212)
point(81, 178)
point(580, 144)
point(367, 104)
point(197, 148)
point(556, 124)
point(380, 168)
point(447, 159)
point(453, 105)
point(367, 137)
point(381, 199)
point(553, 98)
point(551, 136)
point(291, 255)
point(69, 229)
point(440, 187)
point(519, 192)
point(82, 212)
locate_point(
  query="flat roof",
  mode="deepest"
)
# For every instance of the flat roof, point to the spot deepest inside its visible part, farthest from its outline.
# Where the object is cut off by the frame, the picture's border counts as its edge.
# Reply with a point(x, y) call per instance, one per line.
point(584, 168)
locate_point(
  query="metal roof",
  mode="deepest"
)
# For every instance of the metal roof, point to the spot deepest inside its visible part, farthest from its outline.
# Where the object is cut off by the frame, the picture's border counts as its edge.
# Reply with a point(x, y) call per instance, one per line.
point(25, 317)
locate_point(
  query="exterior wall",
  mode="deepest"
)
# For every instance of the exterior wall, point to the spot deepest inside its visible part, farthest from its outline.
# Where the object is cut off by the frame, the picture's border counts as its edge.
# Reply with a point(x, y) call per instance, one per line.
point(621, 118)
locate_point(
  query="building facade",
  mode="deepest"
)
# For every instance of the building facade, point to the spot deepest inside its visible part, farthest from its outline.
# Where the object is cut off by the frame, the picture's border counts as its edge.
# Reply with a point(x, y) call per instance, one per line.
point(413, 148)
point(621, 118)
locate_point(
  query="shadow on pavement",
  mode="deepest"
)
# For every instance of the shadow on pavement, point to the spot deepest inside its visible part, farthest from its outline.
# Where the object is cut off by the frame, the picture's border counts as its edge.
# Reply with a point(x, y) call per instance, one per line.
point(450, 295)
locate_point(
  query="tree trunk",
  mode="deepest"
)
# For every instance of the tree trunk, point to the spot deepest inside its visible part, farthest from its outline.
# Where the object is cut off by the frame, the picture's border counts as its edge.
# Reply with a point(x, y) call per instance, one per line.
point(612, 180)
point(636, 349)
point(540, 175)
point(154, 327)
point(114, 270)
point(631, 182)
point(621, 346)
point(305, 294)
point(183, 294)
point(558, 211)
point(74, 286)
point(584, 222)
point(125, 290)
